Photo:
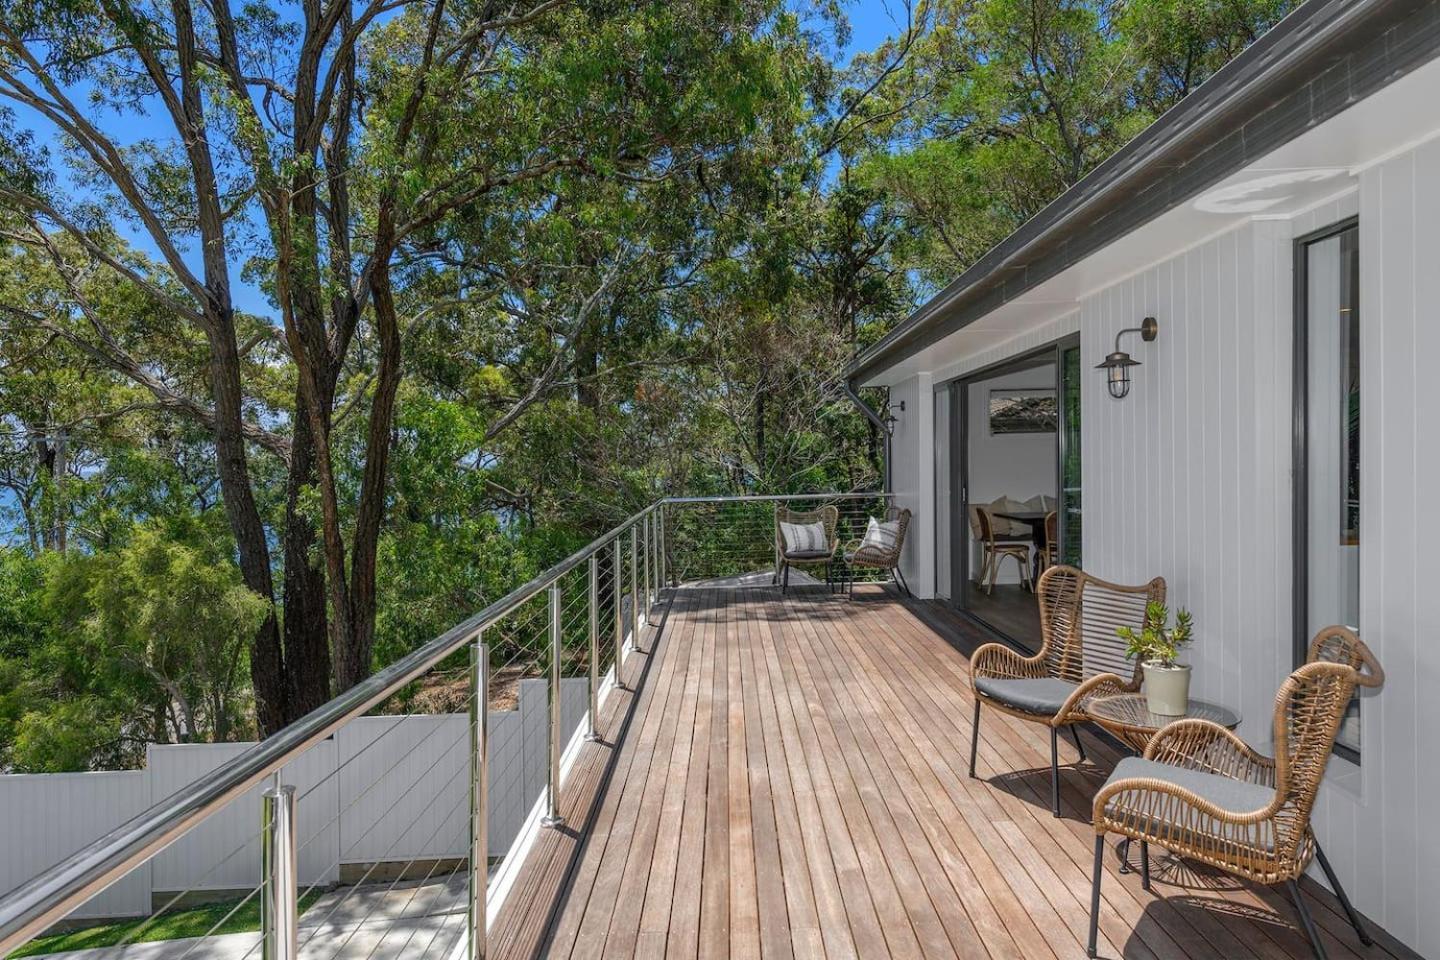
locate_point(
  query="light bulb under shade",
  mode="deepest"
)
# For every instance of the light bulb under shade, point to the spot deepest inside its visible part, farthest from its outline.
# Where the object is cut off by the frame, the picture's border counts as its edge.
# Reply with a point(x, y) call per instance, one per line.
point(1117, 368)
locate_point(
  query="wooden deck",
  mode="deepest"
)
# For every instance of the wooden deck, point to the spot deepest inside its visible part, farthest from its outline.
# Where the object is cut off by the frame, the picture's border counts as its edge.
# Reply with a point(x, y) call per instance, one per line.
point(791, 781)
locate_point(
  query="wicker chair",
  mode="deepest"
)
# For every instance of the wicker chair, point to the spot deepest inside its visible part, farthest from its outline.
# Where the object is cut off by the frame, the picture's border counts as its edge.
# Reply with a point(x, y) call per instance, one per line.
point(786, 558)
point(996, 549)
point(858, 556)
point(1202, 793)
point(1080, 658)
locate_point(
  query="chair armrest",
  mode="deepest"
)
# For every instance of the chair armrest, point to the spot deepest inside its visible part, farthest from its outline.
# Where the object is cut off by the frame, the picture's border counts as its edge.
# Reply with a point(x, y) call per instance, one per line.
point(1100, 685)
point(1206, 746)
point(1000, 662)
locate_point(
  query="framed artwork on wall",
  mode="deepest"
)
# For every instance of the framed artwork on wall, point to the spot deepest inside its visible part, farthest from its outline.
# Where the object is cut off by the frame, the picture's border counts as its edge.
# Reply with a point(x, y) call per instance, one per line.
point(1016, 410)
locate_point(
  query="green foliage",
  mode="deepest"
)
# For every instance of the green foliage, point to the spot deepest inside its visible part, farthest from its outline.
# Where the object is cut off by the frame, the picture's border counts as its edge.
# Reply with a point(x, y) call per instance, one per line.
point(1001, 105)
point(635, 246)
point(1158, 641)
point(145, 642)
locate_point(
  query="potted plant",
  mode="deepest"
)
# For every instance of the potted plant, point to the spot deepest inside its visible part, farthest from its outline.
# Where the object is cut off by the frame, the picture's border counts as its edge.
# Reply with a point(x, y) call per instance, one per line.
point(1157, 646)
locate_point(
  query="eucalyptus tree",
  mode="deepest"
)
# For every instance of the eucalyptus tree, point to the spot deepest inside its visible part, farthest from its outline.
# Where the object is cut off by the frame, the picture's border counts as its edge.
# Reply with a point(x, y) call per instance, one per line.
point(327, 150)
point(1003, 104)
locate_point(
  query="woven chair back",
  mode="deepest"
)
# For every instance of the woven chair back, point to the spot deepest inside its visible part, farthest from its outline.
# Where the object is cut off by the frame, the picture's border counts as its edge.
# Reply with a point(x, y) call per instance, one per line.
point(1308, 712)
point(1052, 530)
point(1079, 616)
point(986, 522)
point(829, 515)
point(1339, 644)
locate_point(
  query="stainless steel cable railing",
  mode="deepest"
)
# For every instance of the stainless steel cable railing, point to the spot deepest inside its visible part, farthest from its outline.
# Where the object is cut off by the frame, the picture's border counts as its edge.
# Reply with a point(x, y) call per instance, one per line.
point(570, 627)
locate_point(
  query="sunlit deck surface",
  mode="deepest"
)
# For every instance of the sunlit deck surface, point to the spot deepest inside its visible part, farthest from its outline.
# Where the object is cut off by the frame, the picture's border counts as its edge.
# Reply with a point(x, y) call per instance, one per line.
point(791, 780)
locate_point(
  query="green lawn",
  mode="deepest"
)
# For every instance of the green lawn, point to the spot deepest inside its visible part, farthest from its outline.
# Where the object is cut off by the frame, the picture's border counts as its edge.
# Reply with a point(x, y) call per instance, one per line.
point(174, 925)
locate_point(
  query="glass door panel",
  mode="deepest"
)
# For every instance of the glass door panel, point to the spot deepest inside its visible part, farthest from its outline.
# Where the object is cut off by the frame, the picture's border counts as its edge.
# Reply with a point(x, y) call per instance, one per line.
point(1069, 440)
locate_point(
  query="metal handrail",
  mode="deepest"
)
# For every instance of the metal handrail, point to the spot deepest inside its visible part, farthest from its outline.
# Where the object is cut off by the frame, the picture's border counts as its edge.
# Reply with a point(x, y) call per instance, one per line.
point(29, 911)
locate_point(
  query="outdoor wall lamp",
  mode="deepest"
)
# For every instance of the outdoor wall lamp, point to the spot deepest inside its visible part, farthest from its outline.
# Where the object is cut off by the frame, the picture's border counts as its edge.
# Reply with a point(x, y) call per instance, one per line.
point(890, 418)
point(1117, 365)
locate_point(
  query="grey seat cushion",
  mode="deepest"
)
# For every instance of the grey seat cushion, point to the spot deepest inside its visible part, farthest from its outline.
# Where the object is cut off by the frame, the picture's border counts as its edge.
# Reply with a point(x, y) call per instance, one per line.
point(1236, 796)
point(806, 554)
point(1044, 695)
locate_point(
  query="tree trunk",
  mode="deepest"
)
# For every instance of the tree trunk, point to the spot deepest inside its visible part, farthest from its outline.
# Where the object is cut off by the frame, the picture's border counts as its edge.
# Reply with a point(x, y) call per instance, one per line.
point(307, 638)
point(266, 655)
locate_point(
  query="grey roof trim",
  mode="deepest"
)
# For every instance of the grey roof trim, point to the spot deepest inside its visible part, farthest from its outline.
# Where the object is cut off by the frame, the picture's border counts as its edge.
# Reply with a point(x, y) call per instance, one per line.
point(1323, 57)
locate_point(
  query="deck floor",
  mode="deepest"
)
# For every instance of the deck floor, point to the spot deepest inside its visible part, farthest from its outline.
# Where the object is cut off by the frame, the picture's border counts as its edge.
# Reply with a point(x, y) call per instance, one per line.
point(791, 782)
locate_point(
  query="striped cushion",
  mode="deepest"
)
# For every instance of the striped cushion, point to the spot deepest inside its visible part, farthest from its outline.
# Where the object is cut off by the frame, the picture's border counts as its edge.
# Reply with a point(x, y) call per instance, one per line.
point(881, 537)
point(804, 537)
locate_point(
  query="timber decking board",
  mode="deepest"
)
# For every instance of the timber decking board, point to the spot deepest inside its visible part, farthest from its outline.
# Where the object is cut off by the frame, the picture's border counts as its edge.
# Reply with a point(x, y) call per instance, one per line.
point(790, 781)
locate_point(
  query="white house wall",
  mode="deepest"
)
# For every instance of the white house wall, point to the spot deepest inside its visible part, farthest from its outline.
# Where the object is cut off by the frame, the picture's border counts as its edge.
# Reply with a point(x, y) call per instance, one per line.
point(1189, 478)
point(912, 478)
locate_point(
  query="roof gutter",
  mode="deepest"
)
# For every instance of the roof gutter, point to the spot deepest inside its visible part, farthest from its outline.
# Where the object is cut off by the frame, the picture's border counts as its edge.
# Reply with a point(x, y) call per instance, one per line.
point(1179, 155)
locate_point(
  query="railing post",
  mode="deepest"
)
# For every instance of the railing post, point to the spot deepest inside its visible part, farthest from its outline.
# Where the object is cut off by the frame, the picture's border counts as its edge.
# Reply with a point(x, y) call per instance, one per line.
point(279, 904)
point(593, 735)
point(650, 540)
point(619, 591)
point(634, 591)
point(552, 816)
point(479, 798)
point(660, 554)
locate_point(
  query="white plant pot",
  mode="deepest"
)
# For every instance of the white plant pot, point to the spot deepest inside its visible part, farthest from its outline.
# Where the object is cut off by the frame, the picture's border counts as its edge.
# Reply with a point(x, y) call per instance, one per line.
point(1167, 689)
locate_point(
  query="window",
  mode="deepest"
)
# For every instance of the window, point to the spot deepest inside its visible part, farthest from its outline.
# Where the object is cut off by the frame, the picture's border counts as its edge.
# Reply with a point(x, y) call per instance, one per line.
point(1327, 479)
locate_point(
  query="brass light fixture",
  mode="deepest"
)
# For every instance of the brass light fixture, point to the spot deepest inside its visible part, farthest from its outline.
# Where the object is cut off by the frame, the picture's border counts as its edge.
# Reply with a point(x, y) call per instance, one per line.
point(1117, 365)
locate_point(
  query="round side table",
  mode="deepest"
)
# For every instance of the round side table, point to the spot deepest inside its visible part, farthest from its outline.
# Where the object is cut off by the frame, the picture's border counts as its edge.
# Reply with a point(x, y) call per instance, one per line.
point(1128, 717)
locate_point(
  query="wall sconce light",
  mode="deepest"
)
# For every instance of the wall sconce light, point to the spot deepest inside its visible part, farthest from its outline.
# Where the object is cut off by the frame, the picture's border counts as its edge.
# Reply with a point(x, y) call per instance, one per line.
point(1117, 365)
point(890, 418)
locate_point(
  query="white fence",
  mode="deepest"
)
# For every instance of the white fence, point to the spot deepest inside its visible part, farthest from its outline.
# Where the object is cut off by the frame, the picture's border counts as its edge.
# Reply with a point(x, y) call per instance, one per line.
point(382, 790)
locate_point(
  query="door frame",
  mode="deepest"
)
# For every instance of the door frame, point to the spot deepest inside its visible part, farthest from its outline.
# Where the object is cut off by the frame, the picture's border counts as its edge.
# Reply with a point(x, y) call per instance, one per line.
point(959, 390)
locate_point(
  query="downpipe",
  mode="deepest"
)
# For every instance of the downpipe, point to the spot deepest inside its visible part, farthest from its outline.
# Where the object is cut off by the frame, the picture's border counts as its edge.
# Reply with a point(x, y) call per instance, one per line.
point(849, 391)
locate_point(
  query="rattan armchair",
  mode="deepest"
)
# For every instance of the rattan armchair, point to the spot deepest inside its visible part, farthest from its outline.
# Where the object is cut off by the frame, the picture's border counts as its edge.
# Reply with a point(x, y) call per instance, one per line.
point(1081, 657)
point(787, 557)
point(1203, 793)
point(857, 555)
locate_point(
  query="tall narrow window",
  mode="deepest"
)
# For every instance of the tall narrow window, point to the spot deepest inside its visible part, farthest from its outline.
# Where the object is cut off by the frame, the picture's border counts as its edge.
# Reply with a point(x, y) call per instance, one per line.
point(1328, 483)
point(1070, 379)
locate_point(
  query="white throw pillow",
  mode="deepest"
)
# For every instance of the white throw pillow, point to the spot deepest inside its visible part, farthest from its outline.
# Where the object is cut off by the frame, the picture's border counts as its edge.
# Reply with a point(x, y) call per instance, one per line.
point(881, 536)
point(804, 537)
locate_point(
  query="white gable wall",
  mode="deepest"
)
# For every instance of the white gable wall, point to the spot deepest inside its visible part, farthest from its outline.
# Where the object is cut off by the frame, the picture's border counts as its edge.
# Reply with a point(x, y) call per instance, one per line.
point(1189, 478)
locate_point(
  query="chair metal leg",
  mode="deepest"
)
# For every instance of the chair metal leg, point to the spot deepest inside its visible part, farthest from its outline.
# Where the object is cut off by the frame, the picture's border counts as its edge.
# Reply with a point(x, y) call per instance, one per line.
point(1095, 893)
point(785, 579)
point(1055, 771)
point(1355, 920)
point(1305, 921)
point(1145, 865)
point(974, 736)
point(1075, 735)
point(901, 578)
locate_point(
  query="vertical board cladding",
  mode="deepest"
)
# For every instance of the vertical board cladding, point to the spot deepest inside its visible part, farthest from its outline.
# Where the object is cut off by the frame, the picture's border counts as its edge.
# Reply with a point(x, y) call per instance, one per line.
point(912, 478)
point(1190, 478)
point(49, 816)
